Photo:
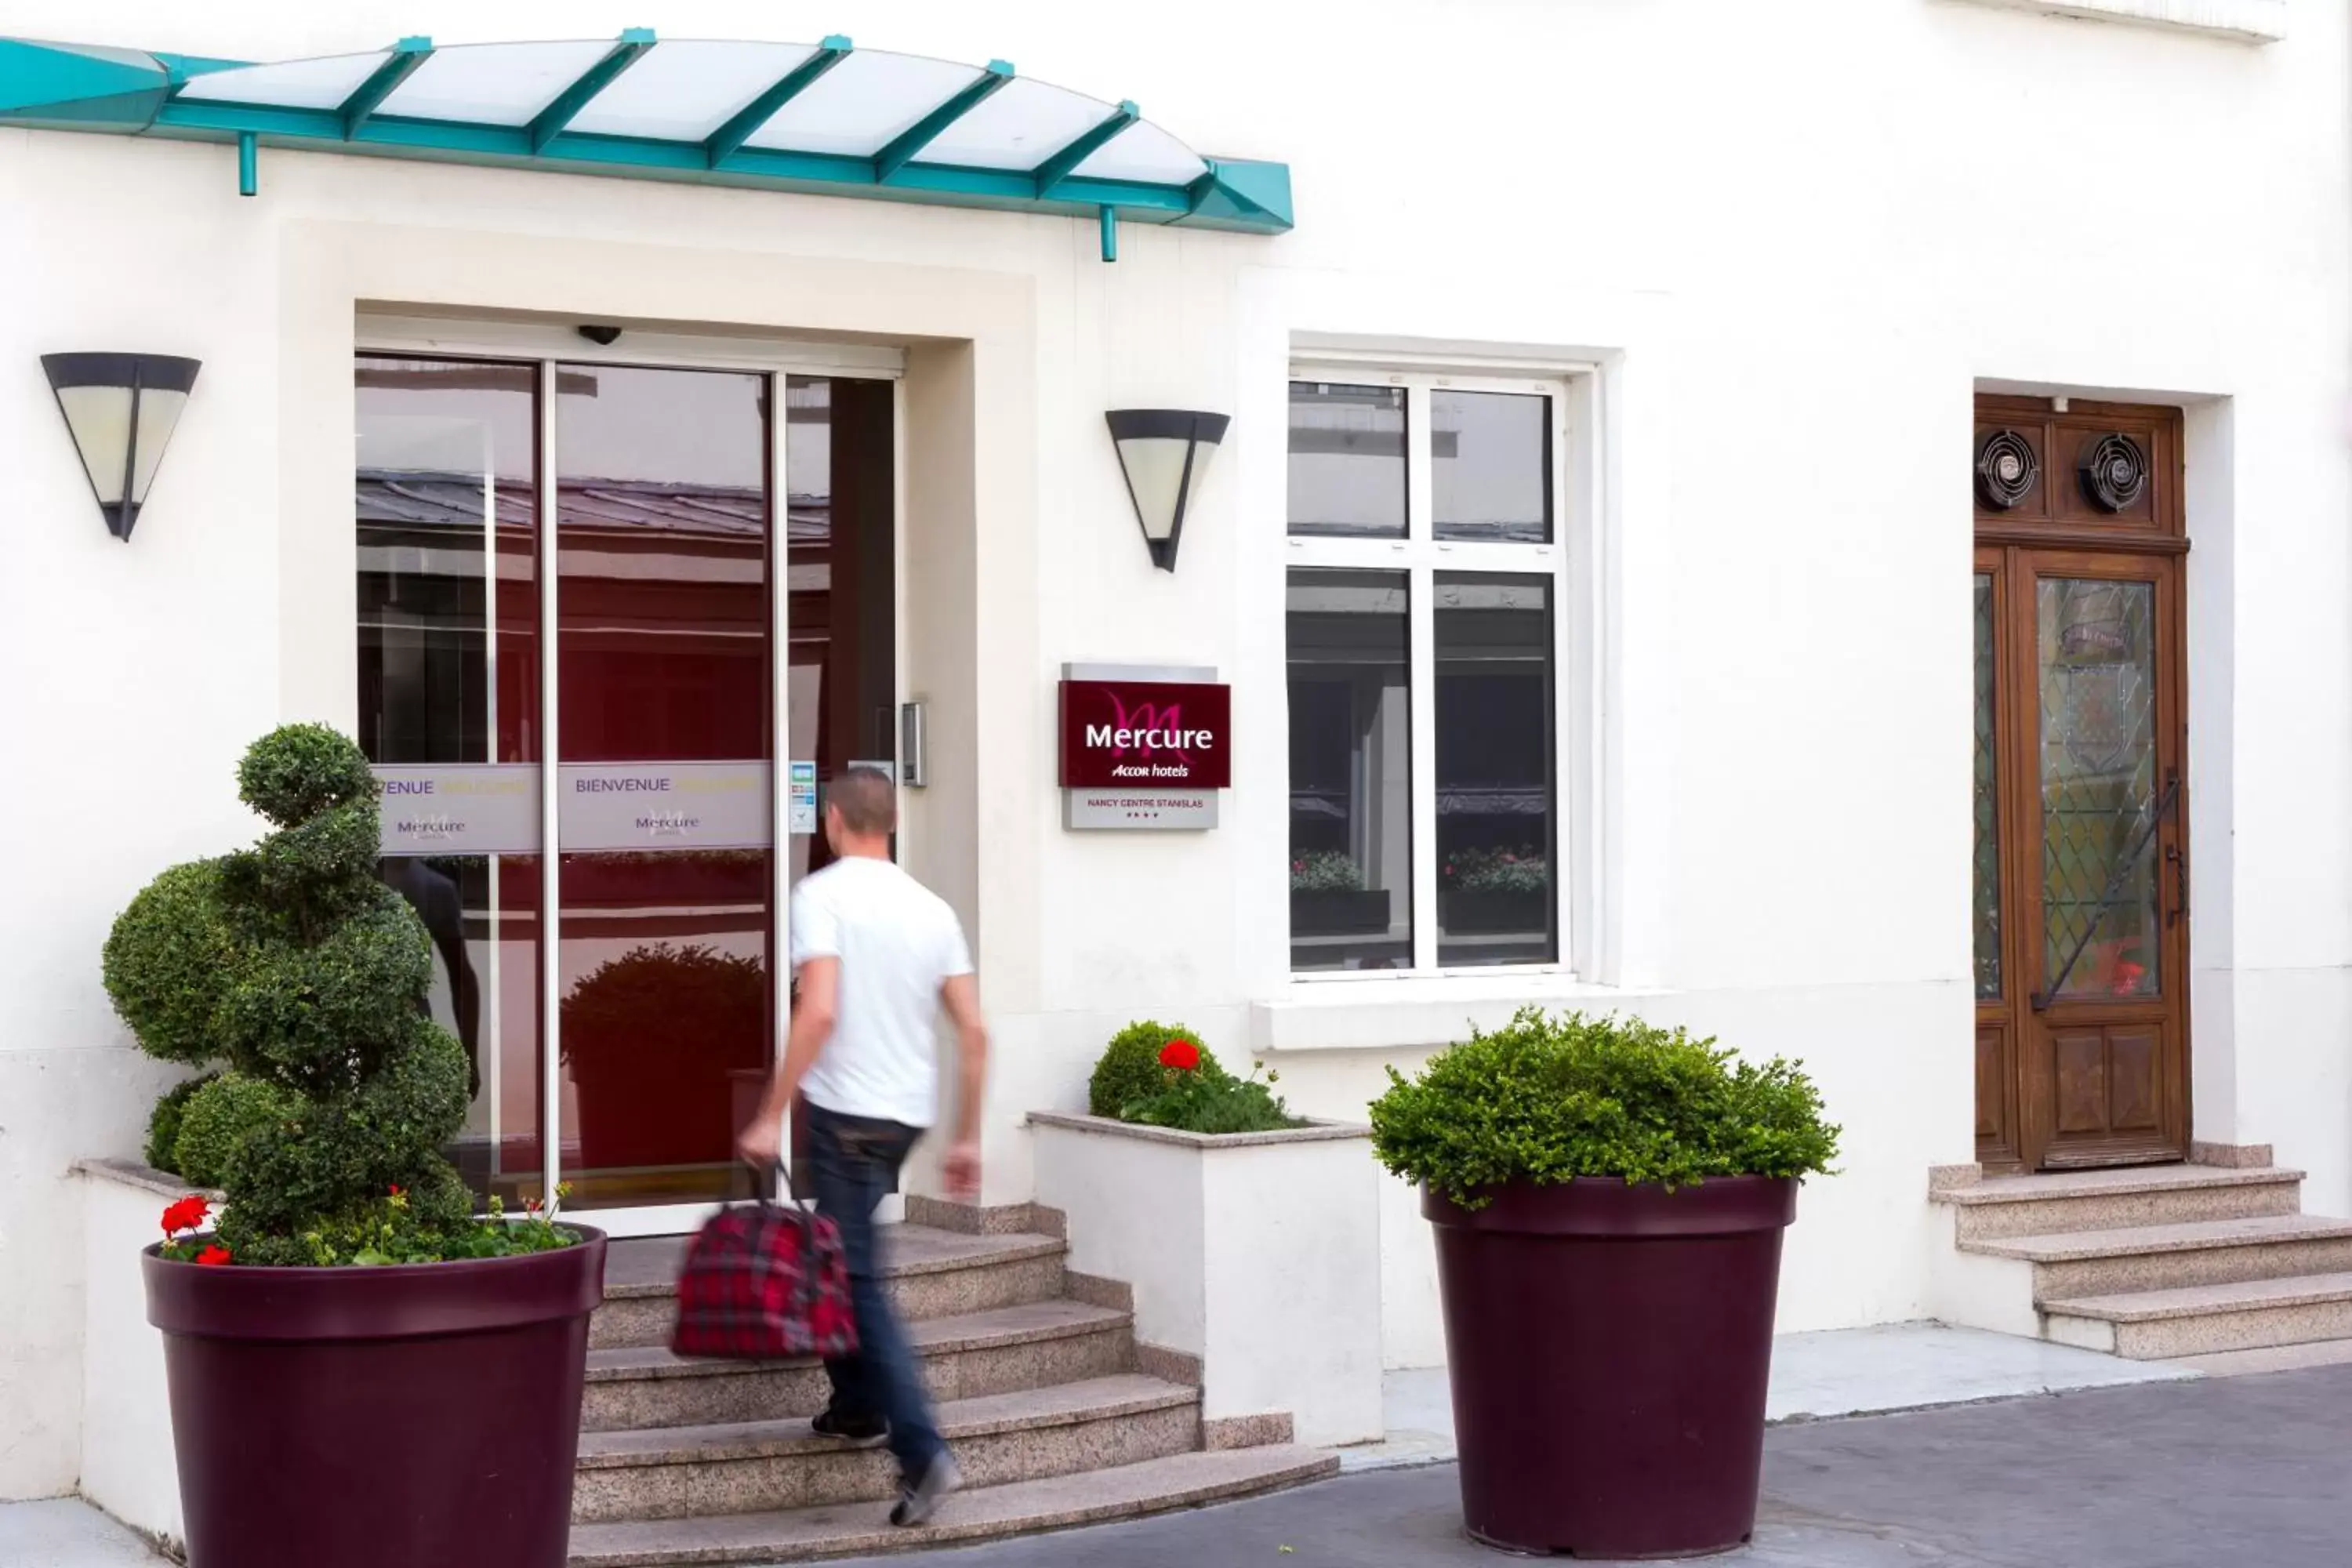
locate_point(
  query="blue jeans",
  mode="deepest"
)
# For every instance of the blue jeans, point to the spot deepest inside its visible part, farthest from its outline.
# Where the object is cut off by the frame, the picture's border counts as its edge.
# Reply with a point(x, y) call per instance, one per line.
point(853, 1161)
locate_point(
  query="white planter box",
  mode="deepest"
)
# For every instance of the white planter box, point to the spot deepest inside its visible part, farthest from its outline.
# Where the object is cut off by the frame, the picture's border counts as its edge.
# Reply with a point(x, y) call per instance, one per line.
point(128, 1467)
point(1258, 1253)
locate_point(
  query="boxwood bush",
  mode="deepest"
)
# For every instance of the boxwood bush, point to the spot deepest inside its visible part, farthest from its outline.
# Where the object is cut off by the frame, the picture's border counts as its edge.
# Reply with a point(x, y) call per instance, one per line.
point(291, 963)
point(1547, 1099)
point(1134, 1081)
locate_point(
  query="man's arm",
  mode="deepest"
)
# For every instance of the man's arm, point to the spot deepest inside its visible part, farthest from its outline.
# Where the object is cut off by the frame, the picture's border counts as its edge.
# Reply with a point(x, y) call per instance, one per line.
point(960, 995)
point(812, 1016)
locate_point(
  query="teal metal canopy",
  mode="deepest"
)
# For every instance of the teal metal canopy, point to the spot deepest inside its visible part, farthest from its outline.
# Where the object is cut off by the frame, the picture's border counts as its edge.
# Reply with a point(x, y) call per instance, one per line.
point(823, 118)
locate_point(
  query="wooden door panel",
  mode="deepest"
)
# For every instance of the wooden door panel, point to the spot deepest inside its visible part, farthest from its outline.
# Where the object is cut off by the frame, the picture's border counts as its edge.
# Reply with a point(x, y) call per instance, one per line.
point(2136, 1059)
point(2078, 1063)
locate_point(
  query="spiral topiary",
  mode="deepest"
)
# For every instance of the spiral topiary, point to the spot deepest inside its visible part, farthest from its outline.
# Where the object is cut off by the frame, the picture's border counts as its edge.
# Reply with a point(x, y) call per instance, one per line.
point(295, 965)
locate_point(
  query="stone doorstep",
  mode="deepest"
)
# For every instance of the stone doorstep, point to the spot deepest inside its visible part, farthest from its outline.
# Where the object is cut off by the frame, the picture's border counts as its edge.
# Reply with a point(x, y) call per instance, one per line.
point(2198, 1319)
point(1000, 1351)
point(2074, 1201)
point(679, 1472)
point(2069, 1264)
point(1091, 1496)
point(931, 1274)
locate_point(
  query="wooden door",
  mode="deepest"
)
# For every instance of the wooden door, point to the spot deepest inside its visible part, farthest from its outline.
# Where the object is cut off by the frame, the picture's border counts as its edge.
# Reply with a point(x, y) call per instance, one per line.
point(2081, 848)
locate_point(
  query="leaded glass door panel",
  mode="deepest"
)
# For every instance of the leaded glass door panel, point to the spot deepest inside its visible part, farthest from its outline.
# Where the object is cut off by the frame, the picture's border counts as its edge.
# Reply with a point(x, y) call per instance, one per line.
point(2081, 906)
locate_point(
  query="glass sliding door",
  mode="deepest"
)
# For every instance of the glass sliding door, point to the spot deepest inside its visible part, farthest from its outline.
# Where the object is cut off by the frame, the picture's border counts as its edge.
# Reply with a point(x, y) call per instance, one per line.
point(636, 570)
point(449, 710)
point(665, 683)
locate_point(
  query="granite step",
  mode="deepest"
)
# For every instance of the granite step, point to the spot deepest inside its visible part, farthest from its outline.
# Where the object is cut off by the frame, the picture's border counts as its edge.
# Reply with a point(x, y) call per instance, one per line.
point(2066, 1201)
point(2067, 1264)
point(981, 1513)
point(1032, 1344)
point(675, 1472)
point(2200, 1319)
point(930, 1273)
point(2270, 1358)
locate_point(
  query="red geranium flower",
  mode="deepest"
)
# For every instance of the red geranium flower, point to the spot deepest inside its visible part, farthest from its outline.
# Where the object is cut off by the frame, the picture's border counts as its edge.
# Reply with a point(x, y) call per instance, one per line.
point(396, 1189)
point(1182, 1054)
point(212, 1256)
point(187, 1214)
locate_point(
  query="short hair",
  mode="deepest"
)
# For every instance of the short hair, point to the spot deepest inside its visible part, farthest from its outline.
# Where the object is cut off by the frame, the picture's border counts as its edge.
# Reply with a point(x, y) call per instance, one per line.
point(865, 800)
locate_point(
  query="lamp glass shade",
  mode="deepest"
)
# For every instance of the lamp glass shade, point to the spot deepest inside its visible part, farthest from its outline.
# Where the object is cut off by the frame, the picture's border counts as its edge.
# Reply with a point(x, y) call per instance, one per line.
point(1164, 452)
point(99, 418)
point(121, 410)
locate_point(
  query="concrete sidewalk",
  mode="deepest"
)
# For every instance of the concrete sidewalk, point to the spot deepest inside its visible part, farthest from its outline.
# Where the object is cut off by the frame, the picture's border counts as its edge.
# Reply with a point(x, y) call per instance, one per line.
point(67, 1533)
point(2253, 1471)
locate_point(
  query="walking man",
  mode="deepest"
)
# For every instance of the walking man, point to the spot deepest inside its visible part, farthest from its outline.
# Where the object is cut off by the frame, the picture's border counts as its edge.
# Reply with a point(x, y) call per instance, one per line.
point(875, 956)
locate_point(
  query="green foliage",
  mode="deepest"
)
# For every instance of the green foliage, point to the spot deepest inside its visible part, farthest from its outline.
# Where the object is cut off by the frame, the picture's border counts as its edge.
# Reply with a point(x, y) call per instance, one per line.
point(1548, 1099)
point(1326, 871)
point(219, 1118)
point(1210, 1100)
point(659, 990)
point(1131, 1084)
point(1129, 1070)
point(169, 963)
point(163, 1150)
point(1521, 870)
point(293, 963)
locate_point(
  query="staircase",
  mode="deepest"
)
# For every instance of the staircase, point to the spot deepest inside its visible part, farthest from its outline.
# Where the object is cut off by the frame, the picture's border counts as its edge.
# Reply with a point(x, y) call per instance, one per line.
point(1040, 1394)
point(2214, 1267)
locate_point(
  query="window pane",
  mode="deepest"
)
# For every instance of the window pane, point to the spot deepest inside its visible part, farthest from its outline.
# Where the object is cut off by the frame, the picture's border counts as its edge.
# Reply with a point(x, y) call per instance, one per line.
point(1497, 889)
point(2099, 789)
point(448, 508)
point(1347, 459)
point(1490, 476)
point(664, 685)
point(1350, 771)
point(1987, 858)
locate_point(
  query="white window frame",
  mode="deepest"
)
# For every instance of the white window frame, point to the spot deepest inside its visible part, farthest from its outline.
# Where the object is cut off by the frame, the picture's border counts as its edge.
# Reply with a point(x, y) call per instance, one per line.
point(1566, 562)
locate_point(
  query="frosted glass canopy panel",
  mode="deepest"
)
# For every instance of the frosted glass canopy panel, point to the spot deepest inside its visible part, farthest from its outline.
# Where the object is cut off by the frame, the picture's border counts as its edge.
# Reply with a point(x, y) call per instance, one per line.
point(1017, 127)
point(684, 91)
point(494, 84)
point(1147, 155)
point(857, 107)
point(325, 83)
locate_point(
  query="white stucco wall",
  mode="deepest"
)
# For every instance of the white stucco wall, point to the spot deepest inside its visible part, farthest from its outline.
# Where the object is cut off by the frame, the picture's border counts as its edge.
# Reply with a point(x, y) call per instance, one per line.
point(1259, 1255)
point(1796, 238)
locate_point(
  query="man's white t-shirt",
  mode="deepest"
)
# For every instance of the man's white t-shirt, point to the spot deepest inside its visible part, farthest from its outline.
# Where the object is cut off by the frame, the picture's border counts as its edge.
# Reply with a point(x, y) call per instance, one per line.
point(898, 942)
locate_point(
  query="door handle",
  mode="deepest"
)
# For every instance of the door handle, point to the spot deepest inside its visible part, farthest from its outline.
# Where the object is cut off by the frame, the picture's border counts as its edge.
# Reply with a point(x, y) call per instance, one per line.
point(2180, 862)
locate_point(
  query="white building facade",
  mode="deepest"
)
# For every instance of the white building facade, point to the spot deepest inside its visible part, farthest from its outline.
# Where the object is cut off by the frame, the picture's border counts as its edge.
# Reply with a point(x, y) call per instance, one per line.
point(1589, 560)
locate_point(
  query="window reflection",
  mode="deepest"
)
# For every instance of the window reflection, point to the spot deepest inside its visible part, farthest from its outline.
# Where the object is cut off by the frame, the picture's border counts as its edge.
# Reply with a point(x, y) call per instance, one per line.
point(1497, 899)
point(449, 629)
point(1490, 469)
point(1347, 459)
point(1350, 770)
point(664, 662)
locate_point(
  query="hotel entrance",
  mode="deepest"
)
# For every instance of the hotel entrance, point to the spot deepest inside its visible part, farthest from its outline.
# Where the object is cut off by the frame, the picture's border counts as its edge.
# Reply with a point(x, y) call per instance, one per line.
point(616, 618)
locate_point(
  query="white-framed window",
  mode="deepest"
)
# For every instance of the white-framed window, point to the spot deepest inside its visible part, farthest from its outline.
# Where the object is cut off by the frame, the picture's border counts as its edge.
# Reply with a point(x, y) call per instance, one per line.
point(1429, 657)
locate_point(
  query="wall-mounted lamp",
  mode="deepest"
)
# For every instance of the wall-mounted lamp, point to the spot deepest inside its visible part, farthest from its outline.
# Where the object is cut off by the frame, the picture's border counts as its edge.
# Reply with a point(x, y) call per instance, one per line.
point(120, 409)
point(1164, 452)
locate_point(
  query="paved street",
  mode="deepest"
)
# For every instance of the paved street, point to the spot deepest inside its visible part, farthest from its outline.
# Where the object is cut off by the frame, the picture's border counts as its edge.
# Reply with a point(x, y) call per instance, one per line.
point(2250, 1471)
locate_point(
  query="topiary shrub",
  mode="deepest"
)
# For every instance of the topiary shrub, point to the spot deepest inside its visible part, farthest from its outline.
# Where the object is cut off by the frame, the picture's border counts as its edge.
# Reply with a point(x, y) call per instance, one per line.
point(293, 963)
point(164, 1125)
point(1130, 1069)
point(1158, 1076)
point(1547, 1099)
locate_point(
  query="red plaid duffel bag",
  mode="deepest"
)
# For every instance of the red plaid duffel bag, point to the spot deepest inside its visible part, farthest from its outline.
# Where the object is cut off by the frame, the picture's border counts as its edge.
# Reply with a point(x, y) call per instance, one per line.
point(763, 1281)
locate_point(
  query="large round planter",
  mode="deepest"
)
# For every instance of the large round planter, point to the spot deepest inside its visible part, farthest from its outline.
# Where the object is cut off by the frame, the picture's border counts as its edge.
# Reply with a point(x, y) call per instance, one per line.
point(1608, 1347)
point(378, 1417)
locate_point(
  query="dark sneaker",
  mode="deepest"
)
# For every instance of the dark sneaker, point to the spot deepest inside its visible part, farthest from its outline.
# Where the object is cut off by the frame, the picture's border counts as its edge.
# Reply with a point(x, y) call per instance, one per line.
point(868, 1432)
point(918, 1501)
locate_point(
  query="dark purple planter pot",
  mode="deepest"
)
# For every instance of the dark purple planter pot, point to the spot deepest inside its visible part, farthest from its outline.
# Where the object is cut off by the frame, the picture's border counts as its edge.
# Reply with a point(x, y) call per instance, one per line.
point(378, 1417)
point(1608, 1348)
